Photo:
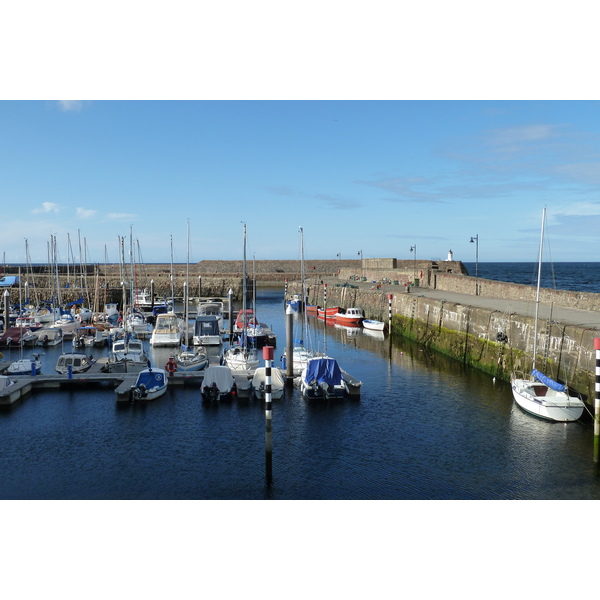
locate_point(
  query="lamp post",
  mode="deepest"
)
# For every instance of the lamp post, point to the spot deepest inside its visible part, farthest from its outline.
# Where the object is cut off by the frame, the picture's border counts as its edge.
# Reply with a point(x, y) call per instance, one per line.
point(361, 262)
point(414, 249)
point(476, 240)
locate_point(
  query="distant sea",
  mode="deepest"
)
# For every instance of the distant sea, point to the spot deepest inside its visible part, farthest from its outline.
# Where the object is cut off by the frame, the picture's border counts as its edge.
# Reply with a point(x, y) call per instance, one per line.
point(574, 276)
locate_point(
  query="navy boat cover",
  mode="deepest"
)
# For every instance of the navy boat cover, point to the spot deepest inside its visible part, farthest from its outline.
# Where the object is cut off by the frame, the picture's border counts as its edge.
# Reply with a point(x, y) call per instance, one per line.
point(554, 385)
point(323, 370)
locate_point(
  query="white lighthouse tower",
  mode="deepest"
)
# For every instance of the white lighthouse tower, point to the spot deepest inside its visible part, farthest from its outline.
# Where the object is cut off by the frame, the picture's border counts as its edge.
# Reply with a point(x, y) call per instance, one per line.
point(450, 257)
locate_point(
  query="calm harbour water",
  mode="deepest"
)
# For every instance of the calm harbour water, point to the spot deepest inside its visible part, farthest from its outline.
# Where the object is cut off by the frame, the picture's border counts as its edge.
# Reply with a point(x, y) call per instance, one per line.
point(423, 428)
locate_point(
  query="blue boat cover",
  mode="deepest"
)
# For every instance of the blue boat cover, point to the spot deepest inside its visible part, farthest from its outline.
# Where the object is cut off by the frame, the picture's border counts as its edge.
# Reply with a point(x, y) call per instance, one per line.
point(150, 379)
point(323, 370)
point(554, 385)
point(78, 301)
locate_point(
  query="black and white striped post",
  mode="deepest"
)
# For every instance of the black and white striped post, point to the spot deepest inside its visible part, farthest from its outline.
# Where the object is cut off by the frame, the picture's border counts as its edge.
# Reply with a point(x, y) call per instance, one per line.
point(390, 296)
point(325, 303)
point(597, 402)
point(268, 352)
point(285, 293)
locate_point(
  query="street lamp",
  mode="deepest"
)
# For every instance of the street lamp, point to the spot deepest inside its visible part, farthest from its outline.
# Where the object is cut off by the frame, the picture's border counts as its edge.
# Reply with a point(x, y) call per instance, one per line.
point(476, 240)
point(414, 249)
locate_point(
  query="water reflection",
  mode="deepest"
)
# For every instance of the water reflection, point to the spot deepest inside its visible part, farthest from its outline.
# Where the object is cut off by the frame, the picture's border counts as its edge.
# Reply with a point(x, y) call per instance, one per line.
point(425, 427)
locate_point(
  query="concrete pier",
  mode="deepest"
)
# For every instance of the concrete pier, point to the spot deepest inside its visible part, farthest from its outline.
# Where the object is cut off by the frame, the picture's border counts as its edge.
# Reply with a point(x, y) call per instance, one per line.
point(492, 331)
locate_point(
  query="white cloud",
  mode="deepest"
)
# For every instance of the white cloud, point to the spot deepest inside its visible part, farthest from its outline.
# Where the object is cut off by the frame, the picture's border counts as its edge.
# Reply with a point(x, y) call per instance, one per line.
point(70, 105)
point(46, 208)
point(85, 213)
point(513, 136)
point(120, 216)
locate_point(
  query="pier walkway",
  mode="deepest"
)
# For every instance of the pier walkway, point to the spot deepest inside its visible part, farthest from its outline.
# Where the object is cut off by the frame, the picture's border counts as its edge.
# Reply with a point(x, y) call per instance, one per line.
point(566, 316)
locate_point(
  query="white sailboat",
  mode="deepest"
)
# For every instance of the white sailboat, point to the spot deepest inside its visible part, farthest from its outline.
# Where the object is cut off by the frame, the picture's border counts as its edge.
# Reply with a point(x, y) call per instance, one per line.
point(242, 357)
point(189, 358)
point(302, 353)
point(536, 393)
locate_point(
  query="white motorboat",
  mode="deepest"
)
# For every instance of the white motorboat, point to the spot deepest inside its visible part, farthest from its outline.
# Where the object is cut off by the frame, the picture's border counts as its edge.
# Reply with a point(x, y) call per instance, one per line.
point(49, 336)
point(29, 338)
point(218, 384)
point(374, 325)
point(26, 366)
point(206, 331)
point(86, 337)
point(167, 331)
point(78, 361)
point(259, 384)
point(130, 350)
point(149, 385)
point(212, 308)
point(322, 378)
point(537, 393)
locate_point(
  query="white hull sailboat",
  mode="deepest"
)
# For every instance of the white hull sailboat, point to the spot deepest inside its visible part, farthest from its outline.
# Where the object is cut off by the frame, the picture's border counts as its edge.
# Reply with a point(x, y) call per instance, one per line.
point(242, 357)
point(536, 393)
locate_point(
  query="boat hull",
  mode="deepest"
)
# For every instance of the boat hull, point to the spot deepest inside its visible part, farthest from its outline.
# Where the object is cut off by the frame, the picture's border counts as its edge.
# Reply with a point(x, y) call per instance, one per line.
point(556, 406)
point(373, 325)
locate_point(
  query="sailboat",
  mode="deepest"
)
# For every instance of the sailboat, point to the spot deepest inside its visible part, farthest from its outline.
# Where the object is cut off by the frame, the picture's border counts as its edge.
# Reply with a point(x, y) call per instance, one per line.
point(129, 350)
point(242, 357)
point(536, 393)
point(300, 353)
point(24, 366)
point(188, 358)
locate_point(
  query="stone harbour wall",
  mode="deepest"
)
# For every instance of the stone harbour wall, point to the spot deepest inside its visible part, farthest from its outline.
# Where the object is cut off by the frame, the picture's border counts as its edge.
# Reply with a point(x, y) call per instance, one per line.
point(494, 342)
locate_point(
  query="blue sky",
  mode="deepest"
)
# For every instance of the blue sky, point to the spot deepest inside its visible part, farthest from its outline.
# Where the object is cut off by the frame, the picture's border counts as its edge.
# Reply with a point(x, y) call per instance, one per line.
point(375, 130)
point(376, 176)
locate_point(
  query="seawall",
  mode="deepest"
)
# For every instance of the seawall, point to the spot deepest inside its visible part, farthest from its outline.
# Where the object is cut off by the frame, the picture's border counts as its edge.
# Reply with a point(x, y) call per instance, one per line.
point(493, 340)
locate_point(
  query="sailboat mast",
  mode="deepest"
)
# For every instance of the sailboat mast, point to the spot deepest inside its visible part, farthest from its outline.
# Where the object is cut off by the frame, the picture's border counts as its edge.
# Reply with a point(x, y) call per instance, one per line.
point(303, 277)
point(187, 278)
point(537, 296)
point(245, 291)
point(172, 280)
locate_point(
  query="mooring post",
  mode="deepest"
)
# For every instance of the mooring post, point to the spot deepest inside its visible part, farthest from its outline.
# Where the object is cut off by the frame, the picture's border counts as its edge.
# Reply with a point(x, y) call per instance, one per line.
point(390, 313)
point(285, 293)
point(230, 302)
point(152, 294)
point(268, 356)
point(289, 345)
point(597, 402)
point(325, 303)
point(6, 312)
point(199, 286)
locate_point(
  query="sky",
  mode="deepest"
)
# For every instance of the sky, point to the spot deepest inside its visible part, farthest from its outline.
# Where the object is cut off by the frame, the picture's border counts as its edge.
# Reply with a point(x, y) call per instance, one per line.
point(376, 132)
point(371, 177)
